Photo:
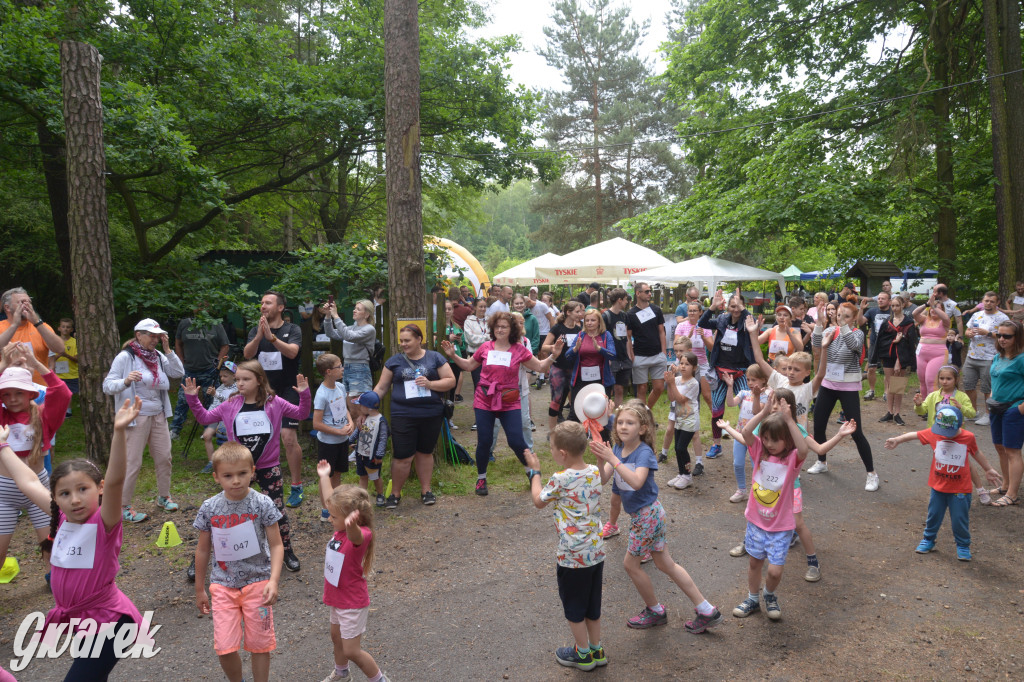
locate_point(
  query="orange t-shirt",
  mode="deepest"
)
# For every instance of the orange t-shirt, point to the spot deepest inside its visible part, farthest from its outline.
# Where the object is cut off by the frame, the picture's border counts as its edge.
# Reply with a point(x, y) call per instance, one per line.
point(27, 333)
point(951, 468)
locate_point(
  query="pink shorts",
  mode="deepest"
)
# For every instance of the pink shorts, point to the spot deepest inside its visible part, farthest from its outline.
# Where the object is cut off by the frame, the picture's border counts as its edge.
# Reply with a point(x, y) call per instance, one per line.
point(351, 622)
point(231, 608)
point(798, 500)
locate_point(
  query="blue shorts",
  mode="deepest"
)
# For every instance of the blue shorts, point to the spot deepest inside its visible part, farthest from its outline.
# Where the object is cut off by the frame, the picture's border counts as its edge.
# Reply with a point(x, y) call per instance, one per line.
point(72, 385)
point(366, 466)
point(1008, 431)
point(763, 544)
point(358, 378)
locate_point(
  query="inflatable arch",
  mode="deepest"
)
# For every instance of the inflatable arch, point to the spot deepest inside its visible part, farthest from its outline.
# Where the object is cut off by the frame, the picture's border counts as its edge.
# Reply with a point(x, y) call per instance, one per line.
point(462, 260)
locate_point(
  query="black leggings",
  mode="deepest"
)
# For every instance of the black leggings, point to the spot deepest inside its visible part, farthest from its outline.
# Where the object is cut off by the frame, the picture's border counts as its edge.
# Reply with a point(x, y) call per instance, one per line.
point(850, 402)
point(683, 439)
point(272, 484)
point(97, 669)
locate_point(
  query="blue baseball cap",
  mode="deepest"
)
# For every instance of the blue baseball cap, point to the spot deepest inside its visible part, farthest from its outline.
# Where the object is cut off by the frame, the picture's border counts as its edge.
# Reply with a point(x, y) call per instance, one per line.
point(948, 420)
point(229, 366)
point(369, 399)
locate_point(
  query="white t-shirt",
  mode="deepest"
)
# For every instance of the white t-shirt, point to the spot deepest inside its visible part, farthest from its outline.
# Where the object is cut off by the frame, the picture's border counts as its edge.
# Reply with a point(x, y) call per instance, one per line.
point(984, 347)
point(949, 305)
point(497, 307)
point(803, 393)
point(540, 311)
point(688, 416)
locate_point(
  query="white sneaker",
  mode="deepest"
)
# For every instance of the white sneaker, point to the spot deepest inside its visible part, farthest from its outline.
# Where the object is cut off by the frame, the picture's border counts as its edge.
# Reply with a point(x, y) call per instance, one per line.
point(683, 482)
point(739, 496)
point(983, 420)
point(818, 467)
point(984, 496)
point(672, 481)
point(872, 483)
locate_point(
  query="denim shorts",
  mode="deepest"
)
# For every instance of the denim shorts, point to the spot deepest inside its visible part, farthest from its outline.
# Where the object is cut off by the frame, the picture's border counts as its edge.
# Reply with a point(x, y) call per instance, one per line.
point(358, 378)
point(761, 544)
point(1008, 430)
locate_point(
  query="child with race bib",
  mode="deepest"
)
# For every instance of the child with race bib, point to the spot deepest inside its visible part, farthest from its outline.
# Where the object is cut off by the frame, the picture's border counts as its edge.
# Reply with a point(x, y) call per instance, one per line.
point(220, 394)
point(347, 562)
point(777, 452)
point(30, 431)
point(253, 418)
point(757, 383)
point(684, 386)
point(949, 477)
point(241, 526)
point(84, 543)
point(331, 420)
point(632, 462)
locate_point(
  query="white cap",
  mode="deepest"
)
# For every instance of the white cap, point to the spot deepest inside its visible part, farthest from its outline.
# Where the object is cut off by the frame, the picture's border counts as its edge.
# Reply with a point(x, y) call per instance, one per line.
point(149, 325)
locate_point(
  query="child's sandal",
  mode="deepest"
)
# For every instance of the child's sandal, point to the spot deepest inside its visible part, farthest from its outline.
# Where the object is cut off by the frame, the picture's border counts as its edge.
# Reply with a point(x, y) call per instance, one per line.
point(1005, 501)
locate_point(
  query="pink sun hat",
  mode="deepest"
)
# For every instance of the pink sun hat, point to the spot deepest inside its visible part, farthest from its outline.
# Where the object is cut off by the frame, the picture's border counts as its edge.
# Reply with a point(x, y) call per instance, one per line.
point(19, 378)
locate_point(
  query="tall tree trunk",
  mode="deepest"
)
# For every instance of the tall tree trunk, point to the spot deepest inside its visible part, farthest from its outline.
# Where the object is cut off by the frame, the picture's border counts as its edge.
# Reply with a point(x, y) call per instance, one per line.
point(945, 217)
point(89, 239)
point(288, 228)
point(1000, 152)
point(406, 269)
point(598, 209)
point(55, 173)
point(1014, 86)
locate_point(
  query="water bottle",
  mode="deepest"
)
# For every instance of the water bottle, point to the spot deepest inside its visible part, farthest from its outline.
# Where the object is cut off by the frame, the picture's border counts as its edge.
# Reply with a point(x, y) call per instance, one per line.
point(420, 390)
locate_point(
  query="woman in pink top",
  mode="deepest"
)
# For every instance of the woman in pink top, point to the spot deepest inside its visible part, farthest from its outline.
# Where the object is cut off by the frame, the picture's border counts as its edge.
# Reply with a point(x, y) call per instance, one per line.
point(700, 338)
point(84, 542)
point(497, 394)
point(933, 323)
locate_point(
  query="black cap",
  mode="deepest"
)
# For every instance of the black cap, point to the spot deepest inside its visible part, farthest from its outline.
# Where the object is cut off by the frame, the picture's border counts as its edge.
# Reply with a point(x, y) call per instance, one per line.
point(594, 285)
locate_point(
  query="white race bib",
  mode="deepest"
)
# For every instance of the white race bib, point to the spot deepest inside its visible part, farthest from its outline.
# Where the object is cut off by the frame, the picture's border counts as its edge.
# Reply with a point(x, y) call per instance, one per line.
point(618, 479)
point(500, 358)
point(879, 321)
point(729, 338)
point(20, 438)
point(1018, 300)
point(235, 543)
point(771, 475)
point(645, 315)
point(620, 330)
point(570, 339)
point(74, 545)
point(950, 453)
point(834, 372)
point(413, 391)
point(778, 346)
point(590, 373)
point(697, 340)
point(339, 410)
point(333, 561)
point(271, 361)
point(252, 423)
point(747, 409)
point(62, 366)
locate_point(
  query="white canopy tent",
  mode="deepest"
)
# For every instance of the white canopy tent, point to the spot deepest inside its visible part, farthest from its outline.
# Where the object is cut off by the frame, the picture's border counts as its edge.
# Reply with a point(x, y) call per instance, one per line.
point(709, 270)
point(525, 274)
point(610, 261)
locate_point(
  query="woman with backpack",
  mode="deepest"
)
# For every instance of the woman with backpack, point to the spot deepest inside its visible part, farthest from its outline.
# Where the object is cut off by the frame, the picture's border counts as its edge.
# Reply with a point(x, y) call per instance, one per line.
point(140, 370)
point(358, 341)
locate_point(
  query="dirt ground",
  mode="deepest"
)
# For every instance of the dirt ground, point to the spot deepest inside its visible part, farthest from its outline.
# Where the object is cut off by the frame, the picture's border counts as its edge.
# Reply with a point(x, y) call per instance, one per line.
point(466, 589)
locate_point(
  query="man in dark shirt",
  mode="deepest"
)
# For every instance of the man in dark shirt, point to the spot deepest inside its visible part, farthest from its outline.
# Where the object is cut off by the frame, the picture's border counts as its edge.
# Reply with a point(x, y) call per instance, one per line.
point(875, 318)
point(645, 345)
point(587, 297)
point(276, 343)
point(615, 321)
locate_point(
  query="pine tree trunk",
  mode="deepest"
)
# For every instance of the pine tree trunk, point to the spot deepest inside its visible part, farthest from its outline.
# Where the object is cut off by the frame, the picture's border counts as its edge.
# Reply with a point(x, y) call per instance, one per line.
point(1000, 152)
point(406, 270)
point(1013, 83)
point(51, 147)
point(598, 208)
point(90, 240)
point(945, 216)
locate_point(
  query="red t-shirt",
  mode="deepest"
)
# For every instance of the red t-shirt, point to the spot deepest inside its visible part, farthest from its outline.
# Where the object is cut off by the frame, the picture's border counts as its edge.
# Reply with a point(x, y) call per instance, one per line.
point(951, 470)
point(351, 592)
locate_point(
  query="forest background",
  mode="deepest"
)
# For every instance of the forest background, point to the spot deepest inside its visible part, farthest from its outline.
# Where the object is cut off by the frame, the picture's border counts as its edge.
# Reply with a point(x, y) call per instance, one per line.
point(810, 133)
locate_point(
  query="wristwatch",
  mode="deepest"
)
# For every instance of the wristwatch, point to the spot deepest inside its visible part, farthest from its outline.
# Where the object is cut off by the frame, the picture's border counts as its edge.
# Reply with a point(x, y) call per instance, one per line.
point(39, 322)
point(530, 473)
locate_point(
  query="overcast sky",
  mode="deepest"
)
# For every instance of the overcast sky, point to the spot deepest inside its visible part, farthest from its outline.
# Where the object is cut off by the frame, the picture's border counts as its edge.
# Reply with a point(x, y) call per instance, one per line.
point(527, 19)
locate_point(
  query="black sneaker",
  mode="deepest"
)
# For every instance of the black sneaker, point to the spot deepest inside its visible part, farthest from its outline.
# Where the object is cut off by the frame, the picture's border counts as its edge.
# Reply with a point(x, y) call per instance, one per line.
point(190, 572)
point(662, 457)
point(899, 420)
point(392, 501)
point(380, 501)
point(481, 487)
point(291, 562)
point(428, 498)
point(887, 418)
point(698, 469)
point(458, 398)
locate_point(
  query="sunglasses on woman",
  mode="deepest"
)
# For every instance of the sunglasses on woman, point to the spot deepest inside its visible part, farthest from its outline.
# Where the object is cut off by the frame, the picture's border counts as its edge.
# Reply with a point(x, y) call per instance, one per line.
point(1005, 336)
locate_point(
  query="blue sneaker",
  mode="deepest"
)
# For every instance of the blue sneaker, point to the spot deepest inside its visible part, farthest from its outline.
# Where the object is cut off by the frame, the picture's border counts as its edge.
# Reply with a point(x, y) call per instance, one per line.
point(208, 469)
point(295, 496)
point(963, 553)
point(714, 452)
point(927, 546)
point(325, 516)
point(571, 657)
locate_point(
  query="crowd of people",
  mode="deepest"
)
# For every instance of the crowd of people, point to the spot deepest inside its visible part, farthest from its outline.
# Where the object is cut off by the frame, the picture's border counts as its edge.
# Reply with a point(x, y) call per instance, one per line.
point(603, 344)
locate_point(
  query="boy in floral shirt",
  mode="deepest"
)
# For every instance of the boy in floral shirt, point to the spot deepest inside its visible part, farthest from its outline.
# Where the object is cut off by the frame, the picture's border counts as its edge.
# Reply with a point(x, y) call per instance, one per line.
point(576, 492)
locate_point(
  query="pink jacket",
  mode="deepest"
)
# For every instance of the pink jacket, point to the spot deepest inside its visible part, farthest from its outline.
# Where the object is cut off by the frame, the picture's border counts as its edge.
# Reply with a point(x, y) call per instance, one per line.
point(276, 408)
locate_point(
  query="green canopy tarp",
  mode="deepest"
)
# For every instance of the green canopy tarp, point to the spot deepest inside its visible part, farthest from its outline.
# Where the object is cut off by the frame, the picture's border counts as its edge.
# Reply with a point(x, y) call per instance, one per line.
point(792, 273)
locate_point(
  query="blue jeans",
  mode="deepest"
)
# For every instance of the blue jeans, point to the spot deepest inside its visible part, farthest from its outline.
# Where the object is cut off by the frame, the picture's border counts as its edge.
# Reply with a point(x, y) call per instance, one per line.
point(718, 395)
point(511, 421)
point(959, 505)
point(739, 464)
point(205, 379)
point(358, 378)
point(524, 410)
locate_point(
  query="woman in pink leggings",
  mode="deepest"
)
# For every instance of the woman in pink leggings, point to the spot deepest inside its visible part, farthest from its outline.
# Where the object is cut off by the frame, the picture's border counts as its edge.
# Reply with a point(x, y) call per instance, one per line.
point(931, 354)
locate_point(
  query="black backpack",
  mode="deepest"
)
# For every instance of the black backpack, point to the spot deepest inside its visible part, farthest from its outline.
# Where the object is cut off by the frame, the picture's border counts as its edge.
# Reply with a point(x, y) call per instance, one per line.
point(377, 356)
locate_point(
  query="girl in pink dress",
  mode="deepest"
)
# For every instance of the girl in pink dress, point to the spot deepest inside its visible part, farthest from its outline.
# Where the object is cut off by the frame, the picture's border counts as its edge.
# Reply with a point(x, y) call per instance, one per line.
point(84, 542)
